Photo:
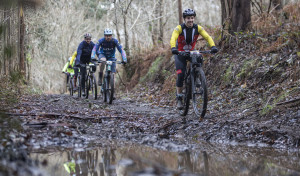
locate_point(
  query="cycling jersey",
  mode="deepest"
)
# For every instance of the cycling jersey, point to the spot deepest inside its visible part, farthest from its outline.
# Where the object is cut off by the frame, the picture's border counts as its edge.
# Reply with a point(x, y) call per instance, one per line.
point(186, 38)
point(84, 52)
point(108, 48)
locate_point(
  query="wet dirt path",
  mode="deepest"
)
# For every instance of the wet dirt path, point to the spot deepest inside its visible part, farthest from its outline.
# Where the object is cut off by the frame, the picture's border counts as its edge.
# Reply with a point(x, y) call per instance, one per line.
point(60, 125)
point(72, 121)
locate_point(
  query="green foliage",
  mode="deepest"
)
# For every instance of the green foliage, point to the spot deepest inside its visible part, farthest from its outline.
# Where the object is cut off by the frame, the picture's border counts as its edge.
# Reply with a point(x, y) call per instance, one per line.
point(28, 58)
point(246, 70)
point(269, 107)
point(8, 51)
point(228, 74)
point(16, 76)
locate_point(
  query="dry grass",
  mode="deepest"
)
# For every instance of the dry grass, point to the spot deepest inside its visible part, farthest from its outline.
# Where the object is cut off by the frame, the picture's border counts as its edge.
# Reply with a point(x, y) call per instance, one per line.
point(271, 23)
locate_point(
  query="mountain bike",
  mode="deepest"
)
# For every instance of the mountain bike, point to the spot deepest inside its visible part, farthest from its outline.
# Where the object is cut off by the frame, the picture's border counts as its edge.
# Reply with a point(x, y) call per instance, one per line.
point(90, 80)
point(194, 86)
point(70, 82)
point(78, 83)
point(108, 82)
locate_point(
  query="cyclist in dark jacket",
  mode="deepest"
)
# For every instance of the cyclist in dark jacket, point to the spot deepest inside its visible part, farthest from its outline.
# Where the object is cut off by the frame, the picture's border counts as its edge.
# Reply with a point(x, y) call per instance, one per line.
point(83, 57)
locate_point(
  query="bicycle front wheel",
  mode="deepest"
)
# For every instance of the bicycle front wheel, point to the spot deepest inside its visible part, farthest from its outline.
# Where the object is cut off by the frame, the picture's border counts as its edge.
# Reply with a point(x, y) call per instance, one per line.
point(104, 88)
point(186, 98)
point(200, 93)
point(93, 86)
point(110, 89)
point(79, 86)
point(87, 86)
point(71, 86)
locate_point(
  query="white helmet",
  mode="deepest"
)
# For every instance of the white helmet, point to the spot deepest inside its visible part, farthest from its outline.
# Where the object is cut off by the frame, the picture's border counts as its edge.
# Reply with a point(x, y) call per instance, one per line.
point(107, 31)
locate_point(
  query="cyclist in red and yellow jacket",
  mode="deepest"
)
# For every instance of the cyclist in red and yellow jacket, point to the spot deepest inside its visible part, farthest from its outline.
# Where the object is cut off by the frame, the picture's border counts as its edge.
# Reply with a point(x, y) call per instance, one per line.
point(184, 38)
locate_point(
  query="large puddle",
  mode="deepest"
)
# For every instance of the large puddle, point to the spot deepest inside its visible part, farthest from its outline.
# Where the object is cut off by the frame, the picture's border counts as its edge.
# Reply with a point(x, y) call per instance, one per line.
point(143, 160)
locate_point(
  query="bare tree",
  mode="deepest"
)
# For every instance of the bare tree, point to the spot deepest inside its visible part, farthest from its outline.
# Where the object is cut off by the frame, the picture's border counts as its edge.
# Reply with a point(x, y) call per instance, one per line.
point(180, 11)
point(236, 15)
point(125, 8)
point(161, 25)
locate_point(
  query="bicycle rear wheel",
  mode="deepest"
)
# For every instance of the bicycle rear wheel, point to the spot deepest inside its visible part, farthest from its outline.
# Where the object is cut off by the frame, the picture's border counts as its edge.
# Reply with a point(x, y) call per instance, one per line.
point(186, 98)
point(110, 90)
point(200, 94)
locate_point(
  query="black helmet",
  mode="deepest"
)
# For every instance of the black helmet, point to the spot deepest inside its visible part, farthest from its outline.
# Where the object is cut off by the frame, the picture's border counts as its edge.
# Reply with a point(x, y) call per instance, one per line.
point(87, 35)
point(189, 12)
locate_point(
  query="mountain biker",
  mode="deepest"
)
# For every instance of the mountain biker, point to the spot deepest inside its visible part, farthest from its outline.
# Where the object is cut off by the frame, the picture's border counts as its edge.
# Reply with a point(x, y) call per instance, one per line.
point(105, 49)
point(68, 69)
point(184, 38)
point(83, 57)
point(72, 62)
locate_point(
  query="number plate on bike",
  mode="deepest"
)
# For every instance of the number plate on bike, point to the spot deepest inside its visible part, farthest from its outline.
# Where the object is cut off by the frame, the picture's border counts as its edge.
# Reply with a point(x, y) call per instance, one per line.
point(109, 64)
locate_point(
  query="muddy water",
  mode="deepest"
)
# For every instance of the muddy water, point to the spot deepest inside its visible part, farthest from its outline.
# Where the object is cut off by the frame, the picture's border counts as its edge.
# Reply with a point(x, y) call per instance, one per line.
point(142, 160)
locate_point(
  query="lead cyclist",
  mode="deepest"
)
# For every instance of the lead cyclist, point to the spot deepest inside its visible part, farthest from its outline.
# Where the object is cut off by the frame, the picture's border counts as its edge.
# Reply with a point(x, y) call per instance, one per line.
point(185, 36)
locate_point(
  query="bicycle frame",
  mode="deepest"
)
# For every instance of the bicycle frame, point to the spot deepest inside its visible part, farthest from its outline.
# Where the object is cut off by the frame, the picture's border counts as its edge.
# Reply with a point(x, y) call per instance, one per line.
point(194, 71)
point(108, 82)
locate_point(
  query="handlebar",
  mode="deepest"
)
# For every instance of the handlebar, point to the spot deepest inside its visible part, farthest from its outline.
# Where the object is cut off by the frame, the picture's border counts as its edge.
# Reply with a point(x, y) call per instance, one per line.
point(188, 53)
point(118, 62)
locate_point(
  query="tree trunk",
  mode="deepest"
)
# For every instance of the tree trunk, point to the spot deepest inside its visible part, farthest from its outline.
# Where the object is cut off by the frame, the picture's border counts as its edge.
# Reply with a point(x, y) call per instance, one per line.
point(117, 26)
point(236, 15)
point(180, 12)
point(127, 49)
point(22, 39)
point(241, 15)
point(161, 26)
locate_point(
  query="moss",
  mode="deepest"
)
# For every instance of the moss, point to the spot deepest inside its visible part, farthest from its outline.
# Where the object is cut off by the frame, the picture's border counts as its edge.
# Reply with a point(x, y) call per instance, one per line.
point(228, 74)
point(153, 70)
point(269, 107)
point(248, 66)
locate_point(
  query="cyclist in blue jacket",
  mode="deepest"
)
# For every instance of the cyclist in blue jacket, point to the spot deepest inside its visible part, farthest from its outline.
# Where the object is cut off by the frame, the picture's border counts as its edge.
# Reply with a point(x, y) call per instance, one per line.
point(105, 50)
point(83, 57)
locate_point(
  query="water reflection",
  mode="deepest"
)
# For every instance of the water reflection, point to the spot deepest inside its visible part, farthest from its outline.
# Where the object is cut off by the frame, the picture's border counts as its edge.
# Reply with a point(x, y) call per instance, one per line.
point(141, 160)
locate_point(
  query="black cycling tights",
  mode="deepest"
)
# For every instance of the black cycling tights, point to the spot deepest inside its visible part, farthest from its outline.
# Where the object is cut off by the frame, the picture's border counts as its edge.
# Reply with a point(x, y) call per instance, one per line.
point(180, 64)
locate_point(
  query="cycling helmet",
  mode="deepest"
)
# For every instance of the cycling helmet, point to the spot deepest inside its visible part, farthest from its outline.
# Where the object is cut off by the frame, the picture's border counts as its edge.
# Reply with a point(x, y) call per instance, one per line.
point(107, 31)
point(69, 59)
point(189, 12)
point(87, 35)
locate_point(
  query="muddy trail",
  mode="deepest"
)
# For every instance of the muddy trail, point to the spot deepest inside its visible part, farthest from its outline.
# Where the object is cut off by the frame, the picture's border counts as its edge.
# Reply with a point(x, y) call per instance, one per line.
point(70, 122)
point(60, 134)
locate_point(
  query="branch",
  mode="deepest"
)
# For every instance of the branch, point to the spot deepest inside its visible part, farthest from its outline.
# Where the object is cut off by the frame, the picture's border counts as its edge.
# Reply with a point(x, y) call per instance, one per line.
point(136, 19)
point(128, 7)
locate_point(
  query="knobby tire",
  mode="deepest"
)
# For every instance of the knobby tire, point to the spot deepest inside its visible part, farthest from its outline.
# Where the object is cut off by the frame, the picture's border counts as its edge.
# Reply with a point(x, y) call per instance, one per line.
point(79, 86)
point(105, 87)
point(200, 95)
point(94, 86)
point(110, 90)
point(71, 86)
point(186, 98)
